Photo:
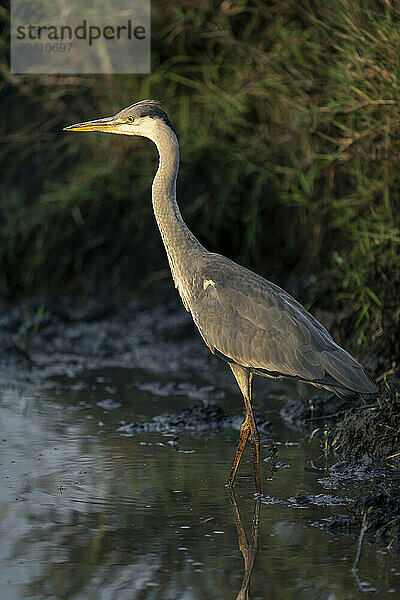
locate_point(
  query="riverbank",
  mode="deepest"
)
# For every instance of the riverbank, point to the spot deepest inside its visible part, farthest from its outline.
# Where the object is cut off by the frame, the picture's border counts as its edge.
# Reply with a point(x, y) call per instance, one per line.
point(42, 340)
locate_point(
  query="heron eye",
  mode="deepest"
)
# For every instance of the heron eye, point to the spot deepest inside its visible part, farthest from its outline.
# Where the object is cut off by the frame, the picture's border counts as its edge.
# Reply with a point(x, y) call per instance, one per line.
point(130, 119)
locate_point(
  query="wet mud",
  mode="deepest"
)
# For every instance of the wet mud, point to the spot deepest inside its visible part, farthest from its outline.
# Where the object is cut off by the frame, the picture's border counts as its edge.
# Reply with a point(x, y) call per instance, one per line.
point(43, 339)
point(361, 431)
point(382, 520)
point(369, 440)
point(374, 430)
point(198, 419)
point(366, 437)
point(308, 413)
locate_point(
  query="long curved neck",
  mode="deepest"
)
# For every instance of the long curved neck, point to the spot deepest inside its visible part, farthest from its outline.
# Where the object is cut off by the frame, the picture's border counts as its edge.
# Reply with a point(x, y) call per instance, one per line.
point(181, 245)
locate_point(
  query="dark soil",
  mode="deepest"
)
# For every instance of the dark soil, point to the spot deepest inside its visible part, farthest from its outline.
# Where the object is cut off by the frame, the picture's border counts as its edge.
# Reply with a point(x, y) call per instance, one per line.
point(366, 436)
point(41, 338)
point(311, 412)
point(358, 427)
point(374, 430)
point(198, 419)
point(382, 520)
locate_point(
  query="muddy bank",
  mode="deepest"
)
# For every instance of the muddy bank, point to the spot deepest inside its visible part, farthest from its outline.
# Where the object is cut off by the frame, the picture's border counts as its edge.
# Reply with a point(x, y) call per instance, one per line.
point(358, 428)
point(42, 340)
point(375, 429)
point(366, 438)
point(382, 520)
point(198, 419)
point(309, 413)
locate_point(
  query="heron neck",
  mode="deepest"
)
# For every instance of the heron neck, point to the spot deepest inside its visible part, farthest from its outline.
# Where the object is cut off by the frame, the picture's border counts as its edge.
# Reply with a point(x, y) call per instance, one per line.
point(181, 245)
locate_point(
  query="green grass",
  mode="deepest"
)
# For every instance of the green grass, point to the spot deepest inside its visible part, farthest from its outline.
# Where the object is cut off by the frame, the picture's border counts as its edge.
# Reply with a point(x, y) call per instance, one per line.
point(288, 118)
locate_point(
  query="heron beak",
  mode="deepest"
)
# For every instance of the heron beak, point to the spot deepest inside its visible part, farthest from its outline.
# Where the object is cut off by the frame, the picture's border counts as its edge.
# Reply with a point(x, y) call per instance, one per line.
point(105, 124)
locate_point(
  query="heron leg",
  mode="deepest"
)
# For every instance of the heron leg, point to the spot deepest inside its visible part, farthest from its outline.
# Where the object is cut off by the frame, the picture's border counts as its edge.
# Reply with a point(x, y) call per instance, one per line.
point(244, 434)
point(249, 428)
point(255, 444)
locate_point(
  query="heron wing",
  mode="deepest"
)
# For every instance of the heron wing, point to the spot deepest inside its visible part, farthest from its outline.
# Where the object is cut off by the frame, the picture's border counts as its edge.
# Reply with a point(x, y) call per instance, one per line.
point(251, 321)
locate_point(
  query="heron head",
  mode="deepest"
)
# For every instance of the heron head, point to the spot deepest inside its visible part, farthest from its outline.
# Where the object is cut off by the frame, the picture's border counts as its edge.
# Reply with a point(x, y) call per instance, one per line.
point(144, 118)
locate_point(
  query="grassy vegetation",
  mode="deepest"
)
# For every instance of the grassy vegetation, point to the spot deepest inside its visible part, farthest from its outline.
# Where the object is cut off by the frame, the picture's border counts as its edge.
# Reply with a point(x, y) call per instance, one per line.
point(288, 118)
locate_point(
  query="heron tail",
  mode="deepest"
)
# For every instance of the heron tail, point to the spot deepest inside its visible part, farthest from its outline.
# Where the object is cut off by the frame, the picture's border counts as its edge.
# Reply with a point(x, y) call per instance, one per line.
point(345, 376)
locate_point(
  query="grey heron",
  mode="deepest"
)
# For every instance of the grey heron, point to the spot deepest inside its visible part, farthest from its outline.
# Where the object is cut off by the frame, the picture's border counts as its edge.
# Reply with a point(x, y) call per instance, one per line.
point(251, 323)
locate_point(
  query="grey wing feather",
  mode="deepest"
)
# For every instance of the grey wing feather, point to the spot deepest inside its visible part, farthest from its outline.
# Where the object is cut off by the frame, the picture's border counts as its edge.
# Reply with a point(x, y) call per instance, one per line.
point(254, 323)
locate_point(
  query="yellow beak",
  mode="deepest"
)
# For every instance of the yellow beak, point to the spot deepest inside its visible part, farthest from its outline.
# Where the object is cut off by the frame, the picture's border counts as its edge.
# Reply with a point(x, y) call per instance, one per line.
point(104, 124)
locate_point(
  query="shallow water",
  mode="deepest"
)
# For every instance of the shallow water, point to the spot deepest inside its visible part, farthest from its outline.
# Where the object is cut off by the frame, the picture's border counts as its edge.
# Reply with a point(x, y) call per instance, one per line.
point(88, 512)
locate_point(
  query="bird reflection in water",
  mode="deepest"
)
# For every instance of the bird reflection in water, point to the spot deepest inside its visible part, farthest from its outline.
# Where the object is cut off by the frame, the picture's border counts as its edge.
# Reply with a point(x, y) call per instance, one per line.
point(248, 546)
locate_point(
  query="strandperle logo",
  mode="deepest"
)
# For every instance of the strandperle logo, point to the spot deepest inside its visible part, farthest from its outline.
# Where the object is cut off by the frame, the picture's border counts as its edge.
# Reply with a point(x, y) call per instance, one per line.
point(87, 32)
point(76, 36)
